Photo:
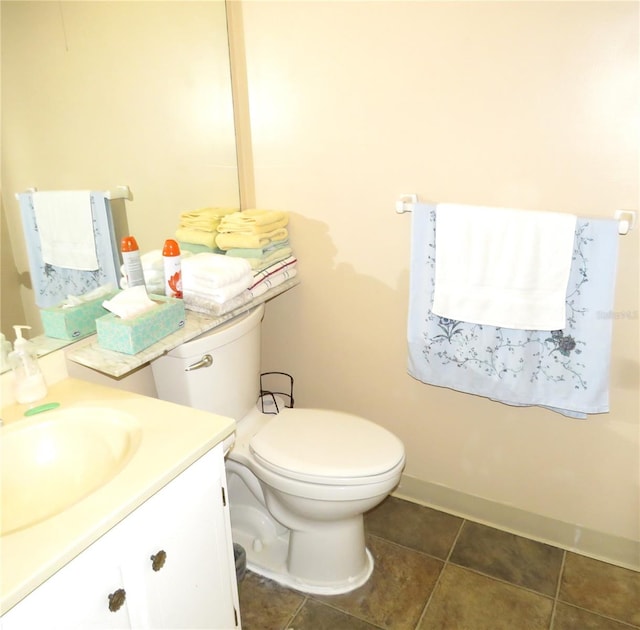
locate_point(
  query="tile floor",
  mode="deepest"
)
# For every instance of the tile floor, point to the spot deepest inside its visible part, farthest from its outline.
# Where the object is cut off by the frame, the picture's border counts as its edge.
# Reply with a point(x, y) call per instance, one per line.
point(435, 571)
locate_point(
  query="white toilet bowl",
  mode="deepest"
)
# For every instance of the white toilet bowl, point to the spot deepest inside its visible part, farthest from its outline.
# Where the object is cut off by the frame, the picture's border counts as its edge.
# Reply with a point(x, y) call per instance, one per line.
point(317, 472)
point(300, 481)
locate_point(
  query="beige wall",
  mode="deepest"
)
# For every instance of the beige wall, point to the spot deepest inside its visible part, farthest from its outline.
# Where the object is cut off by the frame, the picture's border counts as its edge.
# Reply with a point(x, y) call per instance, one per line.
point(101, 94)
point(523, 104)
point(532, 105)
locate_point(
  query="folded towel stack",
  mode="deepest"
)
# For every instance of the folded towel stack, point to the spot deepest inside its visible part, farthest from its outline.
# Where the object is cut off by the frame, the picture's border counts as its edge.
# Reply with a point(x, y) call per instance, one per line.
point(257, 257)
point(207, 298)
point(273, 275)
point(260, 236)
point(198, 228)
point(205, 305)
point(153, 269)
point(214, 278)
point(252, 229)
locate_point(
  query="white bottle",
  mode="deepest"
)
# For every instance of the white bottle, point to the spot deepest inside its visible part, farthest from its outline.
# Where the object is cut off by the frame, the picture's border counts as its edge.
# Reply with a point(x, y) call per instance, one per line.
point(29, 380)
point(132, 263)
point(172, 269)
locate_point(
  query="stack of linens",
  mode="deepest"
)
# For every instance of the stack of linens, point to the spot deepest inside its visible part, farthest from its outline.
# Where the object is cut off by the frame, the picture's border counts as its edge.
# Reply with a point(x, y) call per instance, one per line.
point(215, 284)
point(198, 229)
point(273, 275)
point(259, 236)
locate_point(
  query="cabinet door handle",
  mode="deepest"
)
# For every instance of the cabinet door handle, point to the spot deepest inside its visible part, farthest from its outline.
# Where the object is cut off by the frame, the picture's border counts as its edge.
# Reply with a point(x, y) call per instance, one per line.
point(206, 361)
point(116, 599)
point(158, 560)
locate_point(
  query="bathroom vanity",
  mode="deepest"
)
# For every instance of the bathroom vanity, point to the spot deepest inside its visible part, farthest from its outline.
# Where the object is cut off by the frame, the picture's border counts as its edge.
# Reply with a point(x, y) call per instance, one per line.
point(150, 547)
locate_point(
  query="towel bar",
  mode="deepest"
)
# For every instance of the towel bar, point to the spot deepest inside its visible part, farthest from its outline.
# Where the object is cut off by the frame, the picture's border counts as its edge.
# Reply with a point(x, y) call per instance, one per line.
point(627, 221)
point(626, 218)
point(405, 203)
point(119, 192)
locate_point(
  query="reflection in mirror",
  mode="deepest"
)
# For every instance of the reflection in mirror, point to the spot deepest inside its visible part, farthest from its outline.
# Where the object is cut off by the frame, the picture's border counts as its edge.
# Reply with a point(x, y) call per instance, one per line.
point(101, 94)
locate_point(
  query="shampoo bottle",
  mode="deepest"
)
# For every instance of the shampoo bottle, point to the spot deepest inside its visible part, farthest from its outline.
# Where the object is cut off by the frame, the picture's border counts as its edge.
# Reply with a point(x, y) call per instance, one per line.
point(29, 380)
point(172, 269)
point(132, 263)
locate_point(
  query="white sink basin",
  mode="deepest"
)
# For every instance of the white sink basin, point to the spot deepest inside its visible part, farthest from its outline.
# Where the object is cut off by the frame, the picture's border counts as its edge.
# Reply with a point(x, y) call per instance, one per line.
point(53, 460)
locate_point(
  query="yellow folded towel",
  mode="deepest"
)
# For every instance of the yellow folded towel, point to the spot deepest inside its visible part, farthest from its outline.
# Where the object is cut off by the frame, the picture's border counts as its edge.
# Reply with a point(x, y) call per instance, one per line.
point(241, 239)
point(207, 213)
point(251, 228)
point(254, 216)
point(206, 219)
point(197, 237)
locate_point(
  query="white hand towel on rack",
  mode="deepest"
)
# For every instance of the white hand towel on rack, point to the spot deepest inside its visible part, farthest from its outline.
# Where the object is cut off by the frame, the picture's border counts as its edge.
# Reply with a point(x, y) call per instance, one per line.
point(65, 227)
point(502, 267)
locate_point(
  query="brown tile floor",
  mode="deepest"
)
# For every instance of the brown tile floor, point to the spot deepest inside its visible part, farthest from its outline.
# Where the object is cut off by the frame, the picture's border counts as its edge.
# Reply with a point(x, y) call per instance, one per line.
point(434, 571)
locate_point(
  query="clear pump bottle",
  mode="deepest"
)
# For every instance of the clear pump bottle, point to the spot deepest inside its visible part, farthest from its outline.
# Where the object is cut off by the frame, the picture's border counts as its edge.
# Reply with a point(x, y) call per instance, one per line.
point(29, 380)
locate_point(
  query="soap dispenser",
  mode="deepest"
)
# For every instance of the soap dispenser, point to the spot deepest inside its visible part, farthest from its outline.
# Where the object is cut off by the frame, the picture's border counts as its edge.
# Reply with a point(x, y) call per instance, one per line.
point(29, 380)
point(5, 349)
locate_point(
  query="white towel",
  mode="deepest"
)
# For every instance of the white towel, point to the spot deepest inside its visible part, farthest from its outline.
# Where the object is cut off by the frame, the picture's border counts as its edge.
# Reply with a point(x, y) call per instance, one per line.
point(65, 227)
point(503, 267)
point(219, 295)
point(202, 304)
point(215, 270)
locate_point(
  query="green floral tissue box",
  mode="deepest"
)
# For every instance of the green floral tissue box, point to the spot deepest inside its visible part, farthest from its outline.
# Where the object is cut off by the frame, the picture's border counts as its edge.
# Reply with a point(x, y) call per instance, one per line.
point(134, 335)
point(73, 322)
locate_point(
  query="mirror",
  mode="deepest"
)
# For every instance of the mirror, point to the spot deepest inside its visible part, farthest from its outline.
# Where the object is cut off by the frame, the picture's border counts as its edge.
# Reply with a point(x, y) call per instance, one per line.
point(102, 94)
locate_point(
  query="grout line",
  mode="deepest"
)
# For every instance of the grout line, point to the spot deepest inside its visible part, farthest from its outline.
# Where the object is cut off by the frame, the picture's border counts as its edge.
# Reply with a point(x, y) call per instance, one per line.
point(558, 599)
point(437, 584)
point(455, 542)
point(287, 625)
point(595, 613)
point(558, 585)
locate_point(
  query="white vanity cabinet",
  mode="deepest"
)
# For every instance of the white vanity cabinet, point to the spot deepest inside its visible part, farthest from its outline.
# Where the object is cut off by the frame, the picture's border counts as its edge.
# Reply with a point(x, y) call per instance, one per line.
point(168, 564)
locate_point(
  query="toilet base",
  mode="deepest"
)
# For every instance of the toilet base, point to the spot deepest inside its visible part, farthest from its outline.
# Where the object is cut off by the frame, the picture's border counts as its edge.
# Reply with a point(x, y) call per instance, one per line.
point(269, 559)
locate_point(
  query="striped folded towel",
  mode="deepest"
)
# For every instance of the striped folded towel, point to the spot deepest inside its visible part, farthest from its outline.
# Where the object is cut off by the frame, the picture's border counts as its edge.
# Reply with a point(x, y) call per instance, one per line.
point(272, 270)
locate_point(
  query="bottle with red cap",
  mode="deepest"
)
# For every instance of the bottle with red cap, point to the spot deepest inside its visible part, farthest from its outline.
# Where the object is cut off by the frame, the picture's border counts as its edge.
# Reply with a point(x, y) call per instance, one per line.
point(172, 269)
point(132, 263)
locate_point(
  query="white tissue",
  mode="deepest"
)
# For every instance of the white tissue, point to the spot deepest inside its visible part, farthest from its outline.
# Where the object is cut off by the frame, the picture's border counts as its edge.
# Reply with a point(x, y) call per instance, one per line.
point(130, 303)
point(76, 300)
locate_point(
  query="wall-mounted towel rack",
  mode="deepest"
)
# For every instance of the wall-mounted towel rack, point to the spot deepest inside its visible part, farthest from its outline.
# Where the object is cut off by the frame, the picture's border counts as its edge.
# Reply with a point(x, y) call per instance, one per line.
point(53, 281)
point(405, 203)
point(119, 192)
point(626, 218)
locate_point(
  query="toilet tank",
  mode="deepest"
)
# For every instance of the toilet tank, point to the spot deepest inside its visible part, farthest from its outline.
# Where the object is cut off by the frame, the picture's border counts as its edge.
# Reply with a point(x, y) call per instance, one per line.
point(230, 385)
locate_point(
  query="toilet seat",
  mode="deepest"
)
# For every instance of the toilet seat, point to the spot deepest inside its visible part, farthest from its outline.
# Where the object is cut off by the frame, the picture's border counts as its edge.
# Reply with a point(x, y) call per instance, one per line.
point(327, 447)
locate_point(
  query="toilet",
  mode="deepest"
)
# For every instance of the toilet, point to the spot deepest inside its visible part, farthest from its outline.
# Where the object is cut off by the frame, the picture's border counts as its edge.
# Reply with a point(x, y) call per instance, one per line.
point(299, 480)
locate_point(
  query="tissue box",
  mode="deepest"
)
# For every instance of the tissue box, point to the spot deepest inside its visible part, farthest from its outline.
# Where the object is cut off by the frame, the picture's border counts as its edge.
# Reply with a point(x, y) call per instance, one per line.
point(74, 322)
point(133, 335)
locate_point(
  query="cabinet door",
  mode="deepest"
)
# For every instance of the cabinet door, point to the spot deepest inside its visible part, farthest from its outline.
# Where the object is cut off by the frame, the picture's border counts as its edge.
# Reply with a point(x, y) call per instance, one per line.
point(77, 596)
point(180, 552)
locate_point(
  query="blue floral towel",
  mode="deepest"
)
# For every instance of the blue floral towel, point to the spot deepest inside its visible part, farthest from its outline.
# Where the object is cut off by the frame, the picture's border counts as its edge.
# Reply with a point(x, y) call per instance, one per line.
point(51, 284)
point(564, 370)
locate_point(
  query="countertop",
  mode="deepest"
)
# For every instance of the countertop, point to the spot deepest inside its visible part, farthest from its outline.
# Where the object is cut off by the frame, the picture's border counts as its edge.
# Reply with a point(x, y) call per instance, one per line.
point(87, 352)
point(172, 440)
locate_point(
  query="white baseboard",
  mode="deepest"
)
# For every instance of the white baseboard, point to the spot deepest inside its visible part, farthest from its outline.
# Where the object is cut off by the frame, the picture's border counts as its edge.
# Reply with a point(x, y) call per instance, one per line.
point(616, 550)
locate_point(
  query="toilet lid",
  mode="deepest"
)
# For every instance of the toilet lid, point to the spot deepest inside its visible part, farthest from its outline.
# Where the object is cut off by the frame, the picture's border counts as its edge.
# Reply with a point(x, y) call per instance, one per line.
point(330, 444)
